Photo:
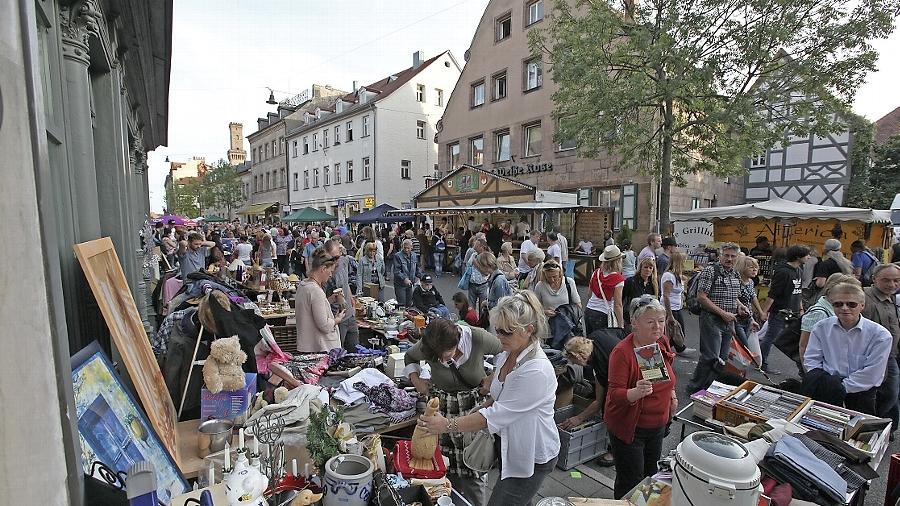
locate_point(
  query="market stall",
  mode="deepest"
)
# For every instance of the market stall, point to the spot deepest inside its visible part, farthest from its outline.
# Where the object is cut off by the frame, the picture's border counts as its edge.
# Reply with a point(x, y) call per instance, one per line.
point(787, 223)
point(309, 215)
point(378, 215)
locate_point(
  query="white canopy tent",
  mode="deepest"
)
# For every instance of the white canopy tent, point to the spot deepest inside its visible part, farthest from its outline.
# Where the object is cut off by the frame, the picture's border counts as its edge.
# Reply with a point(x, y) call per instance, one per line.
point(780, 208)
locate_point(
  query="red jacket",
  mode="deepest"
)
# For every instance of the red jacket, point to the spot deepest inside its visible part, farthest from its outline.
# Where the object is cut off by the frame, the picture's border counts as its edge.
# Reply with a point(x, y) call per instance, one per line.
point(621, 416)
point(607, 281)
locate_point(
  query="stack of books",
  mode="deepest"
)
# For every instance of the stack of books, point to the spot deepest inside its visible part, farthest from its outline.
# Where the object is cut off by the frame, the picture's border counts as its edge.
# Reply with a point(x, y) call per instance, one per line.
point(826, 419)
point(765, 403)
point(704, 400)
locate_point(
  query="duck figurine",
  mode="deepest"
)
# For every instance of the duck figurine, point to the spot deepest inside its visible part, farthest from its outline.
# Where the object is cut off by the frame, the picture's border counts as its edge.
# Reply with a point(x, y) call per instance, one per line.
point(305, 498)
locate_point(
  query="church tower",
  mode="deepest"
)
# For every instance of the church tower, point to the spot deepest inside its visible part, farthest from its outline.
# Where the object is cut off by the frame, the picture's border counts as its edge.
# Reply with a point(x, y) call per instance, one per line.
point(236, 153)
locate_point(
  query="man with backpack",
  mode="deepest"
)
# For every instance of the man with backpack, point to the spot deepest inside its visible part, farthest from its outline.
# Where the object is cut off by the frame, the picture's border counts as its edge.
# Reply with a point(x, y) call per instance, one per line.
point(864, 262)
point(713, 294)
point(785, 298)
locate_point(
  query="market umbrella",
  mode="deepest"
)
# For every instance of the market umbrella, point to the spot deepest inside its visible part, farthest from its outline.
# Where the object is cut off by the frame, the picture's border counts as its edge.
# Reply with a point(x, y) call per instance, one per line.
point(377, 215)
point(164, 219)
point(309, 215)
point(214, 218)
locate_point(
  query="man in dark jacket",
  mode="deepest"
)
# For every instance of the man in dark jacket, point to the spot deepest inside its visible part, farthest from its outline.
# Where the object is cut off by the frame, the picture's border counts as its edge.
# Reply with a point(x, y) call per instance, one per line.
point(427, 299)
point(785, 297)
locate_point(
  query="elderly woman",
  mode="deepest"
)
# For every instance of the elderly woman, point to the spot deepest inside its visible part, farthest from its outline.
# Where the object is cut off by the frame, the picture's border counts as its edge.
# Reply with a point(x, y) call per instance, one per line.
point(607, 285)
point(370, 270)
point(455, 354)
point(556, 291)
point(507, 262)
point(497, 285)
point(535, 260)
point(317, 329)
point(405, 272)
point(638, 409)
point(520, 408)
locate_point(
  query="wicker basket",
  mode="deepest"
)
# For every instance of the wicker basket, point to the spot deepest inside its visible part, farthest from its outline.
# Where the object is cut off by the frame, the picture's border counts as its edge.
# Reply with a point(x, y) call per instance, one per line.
point(286, 337)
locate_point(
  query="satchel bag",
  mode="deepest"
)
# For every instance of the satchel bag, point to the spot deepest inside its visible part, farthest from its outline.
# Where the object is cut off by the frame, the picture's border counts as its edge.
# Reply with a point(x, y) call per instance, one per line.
point(675, 333)
point(465, 278)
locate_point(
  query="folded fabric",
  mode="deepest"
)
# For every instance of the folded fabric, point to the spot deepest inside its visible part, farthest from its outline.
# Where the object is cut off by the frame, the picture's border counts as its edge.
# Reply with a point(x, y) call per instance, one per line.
point(796, 464)
point(835, 461)
point(386, 398)
point(348, 394)
point(294, 409)
point(838, 445)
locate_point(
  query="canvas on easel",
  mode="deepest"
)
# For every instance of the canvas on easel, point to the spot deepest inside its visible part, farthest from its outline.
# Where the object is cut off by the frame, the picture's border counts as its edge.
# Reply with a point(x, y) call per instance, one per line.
point(107, 280)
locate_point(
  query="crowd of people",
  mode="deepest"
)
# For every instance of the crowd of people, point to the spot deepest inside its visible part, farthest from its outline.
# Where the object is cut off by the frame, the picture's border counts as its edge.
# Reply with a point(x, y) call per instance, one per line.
point(842, 313)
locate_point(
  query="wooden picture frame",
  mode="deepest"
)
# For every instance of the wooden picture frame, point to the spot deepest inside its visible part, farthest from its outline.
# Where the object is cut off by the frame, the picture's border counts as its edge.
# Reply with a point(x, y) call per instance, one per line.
point(104, 274)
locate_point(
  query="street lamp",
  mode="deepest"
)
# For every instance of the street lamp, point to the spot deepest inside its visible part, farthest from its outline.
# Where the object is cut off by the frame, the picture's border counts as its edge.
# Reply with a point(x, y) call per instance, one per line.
point(271, 100)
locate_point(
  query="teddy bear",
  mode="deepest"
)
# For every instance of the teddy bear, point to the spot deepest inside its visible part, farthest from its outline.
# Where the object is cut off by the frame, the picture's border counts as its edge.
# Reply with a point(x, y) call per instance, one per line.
point(222, 370)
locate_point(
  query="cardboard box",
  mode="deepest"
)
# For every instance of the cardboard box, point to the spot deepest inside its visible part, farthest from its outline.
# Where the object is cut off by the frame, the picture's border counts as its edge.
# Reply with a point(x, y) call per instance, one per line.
point(228, 405)
point(395, 365)
point(372, 290)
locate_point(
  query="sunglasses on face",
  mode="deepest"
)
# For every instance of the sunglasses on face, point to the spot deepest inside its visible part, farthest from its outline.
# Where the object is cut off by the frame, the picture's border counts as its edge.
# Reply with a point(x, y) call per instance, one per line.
point(839, 304)
point(505, 332)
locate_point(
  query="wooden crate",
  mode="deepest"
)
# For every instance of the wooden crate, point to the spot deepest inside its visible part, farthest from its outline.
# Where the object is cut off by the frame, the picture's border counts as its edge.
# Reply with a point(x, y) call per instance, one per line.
point(734, 417)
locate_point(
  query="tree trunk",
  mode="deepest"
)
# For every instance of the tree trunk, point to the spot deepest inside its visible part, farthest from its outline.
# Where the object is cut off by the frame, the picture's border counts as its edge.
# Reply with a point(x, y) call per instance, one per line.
point(665, 173)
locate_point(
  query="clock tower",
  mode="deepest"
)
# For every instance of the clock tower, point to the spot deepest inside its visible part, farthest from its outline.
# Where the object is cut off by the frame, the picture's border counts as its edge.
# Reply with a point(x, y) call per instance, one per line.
point(236, 153)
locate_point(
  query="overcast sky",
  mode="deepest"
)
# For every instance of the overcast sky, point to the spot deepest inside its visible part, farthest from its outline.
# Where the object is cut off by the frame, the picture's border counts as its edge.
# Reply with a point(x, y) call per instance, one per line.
point(226, 52)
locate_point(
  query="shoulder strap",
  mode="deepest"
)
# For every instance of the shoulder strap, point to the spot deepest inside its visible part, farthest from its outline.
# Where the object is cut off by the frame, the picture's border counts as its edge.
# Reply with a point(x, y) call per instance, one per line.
point(459, 376)
point(568, 289)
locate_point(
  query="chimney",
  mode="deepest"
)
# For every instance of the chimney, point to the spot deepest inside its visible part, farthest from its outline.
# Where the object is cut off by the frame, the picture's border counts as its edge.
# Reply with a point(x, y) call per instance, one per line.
point(355, 86)
point(418, 58)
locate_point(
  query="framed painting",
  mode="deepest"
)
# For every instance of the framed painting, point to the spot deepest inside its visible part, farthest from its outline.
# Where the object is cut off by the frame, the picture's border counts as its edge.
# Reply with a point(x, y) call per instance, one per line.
point(112, 428)
point(107, 280)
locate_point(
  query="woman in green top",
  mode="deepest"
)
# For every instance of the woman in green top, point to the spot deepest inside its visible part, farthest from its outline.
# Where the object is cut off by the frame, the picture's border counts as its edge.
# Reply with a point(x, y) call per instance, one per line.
point(455, 354)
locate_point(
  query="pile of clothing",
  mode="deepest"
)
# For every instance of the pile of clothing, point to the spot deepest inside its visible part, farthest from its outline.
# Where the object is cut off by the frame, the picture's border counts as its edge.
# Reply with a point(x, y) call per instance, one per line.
point(815, 473)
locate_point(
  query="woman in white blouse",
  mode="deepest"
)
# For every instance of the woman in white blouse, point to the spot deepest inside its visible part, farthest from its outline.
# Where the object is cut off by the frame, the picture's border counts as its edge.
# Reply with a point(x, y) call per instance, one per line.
point(520, 408)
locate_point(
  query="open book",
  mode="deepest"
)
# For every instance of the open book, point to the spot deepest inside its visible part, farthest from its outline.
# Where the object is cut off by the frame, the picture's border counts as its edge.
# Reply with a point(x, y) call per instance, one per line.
point(650, 361)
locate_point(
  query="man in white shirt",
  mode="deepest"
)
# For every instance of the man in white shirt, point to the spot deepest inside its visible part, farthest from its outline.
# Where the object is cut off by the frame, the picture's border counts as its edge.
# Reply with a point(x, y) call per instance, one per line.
point(847, 354)
point(472, 226)
point(585, 246)
point(522, 228)
point(554, 252)
point(530, 244)
point(563, 245)
point(654, 242)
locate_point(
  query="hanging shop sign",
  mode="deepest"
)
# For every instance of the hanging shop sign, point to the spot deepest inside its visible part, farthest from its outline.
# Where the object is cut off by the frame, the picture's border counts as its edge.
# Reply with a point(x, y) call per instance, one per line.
point(528, 168)
point(369, 202)
point(467, 183)
point(691, 235)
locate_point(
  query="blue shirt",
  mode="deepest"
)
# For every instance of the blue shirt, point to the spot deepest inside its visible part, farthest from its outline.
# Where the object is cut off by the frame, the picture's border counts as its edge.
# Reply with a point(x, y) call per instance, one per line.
point(859, 355)
point(863, 260)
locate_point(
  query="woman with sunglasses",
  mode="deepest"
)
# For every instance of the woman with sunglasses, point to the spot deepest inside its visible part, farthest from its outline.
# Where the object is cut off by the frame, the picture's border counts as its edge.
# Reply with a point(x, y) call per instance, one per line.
point(317, 326)
point(639, 403)
point(455, 354)
point(520, 407)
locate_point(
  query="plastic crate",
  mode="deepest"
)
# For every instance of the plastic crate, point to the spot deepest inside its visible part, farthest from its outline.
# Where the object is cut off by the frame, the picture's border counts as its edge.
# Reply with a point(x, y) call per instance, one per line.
point(582, 445)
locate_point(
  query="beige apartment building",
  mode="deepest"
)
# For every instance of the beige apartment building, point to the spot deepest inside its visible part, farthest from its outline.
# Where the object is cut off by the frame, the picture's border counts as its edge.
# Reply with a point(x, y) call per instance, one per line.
point(499, 118)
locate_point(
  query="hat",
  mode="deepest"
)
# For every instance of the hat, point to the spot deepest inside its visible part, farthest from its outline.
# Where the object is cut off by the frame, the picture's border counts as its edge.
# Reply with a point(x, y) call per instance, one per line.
point(669, 241)
point(293, 278)
point(832, 245)
point(427, 279)
point(610, 252)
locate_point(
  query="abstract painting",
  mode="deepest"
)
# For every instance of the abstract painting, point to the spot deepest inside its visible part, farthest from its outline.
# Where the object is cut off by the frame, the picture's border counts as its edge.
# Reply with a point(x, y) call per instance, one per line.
point(112, 428)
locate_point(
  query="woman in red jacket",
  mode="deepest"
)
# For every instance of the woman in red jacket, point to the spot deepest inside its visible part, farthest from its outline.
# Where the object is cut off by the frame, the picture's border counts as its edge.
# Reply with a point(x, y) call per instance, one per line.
point(640, 400)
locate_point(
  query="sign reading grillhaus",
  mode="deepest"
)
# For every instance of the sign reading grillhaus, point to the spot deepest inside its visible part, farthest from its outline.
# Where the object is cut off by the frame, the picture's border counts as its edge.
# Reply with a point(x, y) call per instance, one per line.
point(518, 170)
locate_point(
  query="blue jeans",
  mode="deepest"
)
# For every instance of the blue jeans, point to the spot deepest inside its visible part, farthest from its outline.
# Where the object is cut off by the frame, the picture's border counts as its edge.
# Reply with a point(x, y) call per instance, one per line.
point(886, 402)
point(403, 294)
point(439, 264)
point(715, 342)
point(776, 325)
point(477, 293)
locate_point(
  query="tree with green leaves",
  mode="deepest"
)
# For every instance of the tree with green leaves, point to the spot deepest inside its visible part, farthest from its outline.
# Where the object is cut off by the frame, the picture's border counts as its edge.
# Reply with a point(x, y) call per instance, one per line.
point(181, 198)
point(876, 187)
point(680, 86)
point(223, 187)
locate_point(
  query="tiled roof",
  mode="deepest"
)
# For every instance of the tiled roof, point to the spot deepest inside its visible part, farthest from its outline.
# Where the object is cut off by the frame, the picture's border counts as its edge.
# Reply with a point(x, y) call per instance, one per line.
point(887, 127)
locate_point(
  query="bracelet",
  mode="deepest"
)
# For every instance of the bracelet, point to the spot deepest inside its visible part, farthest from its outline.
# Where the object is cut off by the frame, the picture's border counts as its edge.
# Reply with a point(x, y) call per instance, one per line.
point(453, 425)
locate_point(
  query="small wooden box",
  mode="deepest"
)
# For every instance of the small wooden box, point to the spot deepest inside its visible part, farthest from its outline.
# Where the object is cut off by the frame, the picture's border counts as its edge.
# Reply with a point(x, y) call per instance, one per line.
point(734, 417)
point(372, 290)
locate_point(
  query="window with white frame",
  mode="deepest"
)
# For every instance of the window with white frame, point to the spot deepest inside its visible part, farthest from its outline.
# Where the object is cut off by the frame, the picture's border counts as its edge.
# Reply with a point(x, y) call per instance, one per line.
point(535, 11)
point(404, 169)
point(533, 74)
point(365, 126)
point(453, 156)
point(420, 93)
point(255, 184)
point(350, 170)
point(367, 169)
point(315, 178)
point(504, 27)
point(296, 182)
point(501, 146)
point(281, 145)
point(283, 178)
point(305, 145)
point(476, 150)
point(499, 87)
point(267, 151)
point(531, 139)
point(337, 173)
point(439, 97)
point(306, 179)
point(274, 147)
point(349, 131)
point(296, 150)
point(268, 181)
point(325, 138)
point(566, 144)
point(758, 160)
point(478, 94)
point(695, 203)
point(420, 129)
point(337, 134)
point(315, 142)
point(326, 176)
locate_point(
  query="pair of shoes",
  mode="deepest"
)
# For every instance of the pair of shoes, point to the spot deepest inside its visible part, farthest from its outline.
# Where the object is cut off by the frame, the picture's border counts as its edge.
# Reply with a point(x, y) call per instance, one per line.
point(686, 352)
point(605, 460)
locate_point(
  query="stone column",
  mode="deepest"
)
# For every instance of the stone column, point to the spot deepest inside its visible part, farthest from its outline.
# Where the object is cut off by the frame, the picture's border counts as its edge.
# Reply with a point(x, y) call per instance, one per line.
point(78, 21)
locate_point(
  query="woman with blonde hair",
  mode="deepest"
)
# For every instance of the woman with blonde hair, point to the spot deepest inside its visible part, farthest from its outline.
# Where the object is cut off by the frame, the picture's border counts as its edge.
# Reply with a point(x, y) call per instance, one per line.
point(520, 407)
point(507, 262)
point(672, 299)
point(559, 295)
point(317, 326)
point(749, 309)
point(604, 308)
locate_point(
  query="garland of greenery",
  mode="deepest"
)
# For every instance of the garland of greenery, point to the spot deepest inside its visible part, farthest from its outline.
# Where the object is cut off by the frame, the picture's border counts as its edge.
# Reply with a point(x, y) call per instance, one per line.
point(320, 444)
